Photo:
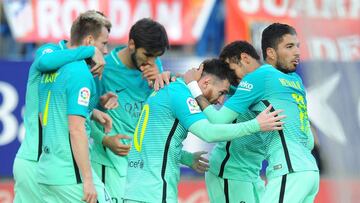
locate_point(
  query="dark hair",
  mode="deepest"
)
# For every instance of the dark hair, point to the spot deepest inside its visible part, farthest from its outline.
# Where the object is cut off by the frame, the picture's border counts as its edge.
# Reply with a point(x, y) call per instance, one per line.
point(150, 35)
point(88, 23)
point(219, 69)
point(233, 50)
point(272, 36)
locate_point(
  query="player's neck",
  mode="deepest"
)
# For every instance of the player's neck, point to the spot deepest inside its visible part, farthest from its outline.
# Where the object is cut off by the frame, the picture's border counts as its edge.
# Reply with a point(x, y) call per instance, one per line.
point(125, 57)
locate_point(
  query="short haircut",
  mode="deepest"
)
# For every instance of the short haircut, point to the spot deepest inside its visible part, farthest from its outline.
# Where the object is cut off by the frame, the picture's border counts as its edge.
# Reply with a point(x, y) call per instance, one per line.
point(273, 34)
point(150, 35)
point(233, 51)
point(219, 69)
point(88, 23)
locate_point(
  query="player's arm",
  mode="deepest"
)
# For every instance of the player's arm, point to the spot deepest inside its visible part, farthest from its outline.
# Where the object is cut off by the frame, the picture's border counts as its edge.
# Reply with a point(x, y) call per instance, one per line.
point(80, 148)
point(195, 161)
point(50, 57)
point(112, 142)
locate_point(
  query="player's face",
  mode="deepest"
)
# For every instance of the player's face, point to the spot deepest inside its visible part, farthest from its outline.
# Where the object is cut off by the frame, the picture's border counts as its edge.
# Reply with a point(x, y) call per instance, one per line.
point(288, 54)
point(141, 57)
point(239, 69)
point(101, 42)
point(216, 91)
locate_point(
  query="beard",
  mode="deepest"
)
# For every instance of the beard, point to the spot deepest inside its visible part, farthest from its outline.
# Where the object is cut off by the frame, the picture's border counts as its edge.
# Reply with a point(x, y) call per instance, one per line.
point(134, 61)
point(281, 67)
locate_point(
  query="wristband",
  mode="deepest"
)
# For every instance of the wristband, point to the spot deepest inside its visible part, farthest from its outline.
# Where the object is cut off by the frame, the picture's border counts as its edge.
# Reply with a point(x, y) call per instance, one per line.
point(194, 89)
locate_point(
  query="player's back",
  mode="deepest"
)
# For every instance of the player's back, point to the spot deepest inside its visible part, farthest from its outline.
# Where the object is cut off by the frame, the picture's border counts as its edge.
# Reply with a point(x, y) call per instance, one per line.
point(288, 150)
point(57, 165)
point(153, 170)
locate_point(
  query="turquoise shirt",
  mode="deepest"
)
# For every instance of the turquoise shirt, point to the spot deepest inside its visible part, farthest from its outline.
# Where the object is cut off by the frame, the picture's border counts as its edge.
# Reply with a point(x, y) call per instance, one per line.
point(288, 150)
point(49, 57)
point(132, 90)
point(154, 159)
point(70, 90)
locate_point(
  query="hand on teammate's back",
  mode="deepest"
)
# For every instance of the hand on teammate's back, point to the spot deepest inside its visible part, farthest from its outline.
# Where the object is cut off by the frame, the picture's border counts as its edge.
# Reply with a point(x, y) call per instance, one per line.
point(103, 118)
point(90, 195)
point(116, 144)
point(99, 61)
point(270, 121)
point(109, 101)
point(163, 79)
point(193, 74)
point(200, 164)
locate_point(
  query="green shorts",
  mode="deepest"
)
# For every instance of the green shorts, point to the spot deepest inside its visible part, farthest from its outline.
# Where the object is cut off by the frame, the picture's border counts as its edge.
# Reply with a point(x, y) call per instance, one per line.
point(226, 190)
point(298, 187)
point(26, 187)
point(73, 193)
point(114, 183)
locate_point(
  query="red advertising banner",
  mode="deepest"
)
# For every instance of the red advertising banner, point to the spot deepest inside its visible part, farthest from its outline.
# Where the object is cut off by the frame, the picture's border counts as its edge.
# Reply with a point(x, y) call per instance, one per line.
point(43, 20)
point(327, 29)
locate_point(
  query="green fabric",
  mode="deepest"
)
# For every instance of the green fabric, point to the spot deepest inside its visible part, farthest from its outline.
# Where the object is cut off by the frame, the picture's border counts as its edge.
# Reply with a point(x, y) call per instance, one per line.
point(48, 57)
point(224, 115)
point(223, 132)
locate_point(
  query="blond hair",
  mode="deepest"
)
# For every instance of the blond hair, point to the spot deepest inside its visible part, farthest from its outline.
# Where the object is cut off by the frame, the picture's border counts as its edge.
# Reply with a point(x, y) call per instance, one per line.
point(88, 23)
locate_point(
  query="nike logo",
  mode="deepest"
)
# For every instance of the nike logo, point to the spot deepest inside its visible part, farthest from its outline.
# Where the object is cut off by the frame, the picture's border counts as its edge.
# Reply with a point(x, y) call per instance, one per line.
point(119, 90)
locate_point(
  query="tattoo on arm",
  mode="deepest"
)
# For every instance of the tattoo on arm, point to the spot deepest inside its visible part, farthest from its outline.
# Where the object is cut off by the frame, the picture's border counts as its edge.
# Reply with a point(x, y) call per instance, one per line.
point(203, 102)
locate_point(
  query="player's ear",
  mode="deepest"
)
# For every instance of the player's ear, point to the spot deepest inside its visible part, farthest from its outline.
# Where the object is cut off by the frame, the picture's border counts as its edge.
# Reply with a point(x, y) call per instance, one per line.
point(245, 58)
point(131, 45)
point(89, 40)
point(271, 53)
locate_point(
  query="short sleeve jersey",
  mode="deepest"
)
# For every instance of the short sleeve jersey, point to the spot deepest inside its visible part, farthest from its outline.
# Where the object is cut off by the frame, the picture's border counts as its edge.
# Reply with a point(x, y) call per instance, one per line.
point(69, 91)
point(154, 160)
point(288, 150)
point(132, 91)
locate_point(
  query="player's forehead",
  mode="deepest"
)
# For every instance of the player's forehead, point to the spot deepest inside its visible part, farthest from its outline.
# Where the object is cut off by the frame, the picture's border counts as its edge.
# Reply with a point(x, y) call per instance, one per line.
point(288, 39)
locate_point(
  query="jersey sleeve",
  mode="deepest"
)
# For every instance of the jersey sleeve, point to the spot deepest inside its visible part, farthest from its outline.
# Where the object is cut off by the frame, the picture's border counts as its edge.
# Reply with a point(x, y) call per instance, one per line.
point(185, 107)
point(249, 91)
point(79, 88)
point(159, 64)
point(51, 57)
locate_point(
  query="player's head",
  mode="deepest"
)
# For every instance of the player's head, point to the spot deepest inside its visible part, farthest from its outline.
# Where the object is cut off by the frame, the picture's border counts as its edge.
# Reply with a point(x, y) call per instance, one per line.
point(147, 40)
point(280, 47)
point(91, 28)
point(215, 80)
point(241, 57)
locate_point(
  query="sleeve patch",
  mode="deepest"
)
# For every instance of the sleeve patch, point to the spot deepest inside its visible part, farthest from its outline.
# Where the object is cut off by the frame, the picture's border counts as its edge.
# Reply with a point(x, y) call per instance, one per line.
point(193, 105)
point(84, 96)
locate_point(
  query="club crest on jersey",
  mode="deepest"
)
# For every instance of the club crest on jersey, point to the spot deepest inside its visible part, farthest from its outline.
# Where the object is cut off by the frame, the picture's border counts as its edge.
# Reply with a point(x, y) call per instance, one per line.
point(193, 105)
point(46, 51)
point(84, 96)
point(244, 85)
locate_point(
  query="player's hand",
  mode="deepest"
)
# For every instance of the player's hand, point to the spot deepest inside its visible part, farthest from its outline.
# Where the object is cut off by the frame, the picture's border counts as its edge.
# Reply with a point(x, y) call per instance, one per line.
point(109, 101)
point(98, 67)
point(200, 164)
point(103, 118)
point(193, 74)
point(150, 73)
point(269, 121)
point(115, 144)
point(90, 195)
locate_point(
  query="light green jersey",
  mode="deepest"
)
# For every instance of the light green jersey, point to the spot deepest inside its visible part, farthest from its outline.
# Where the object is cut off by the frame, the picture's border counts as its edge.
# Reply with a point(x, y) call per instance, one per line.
point(132, 90)
point(49, 57)
point(70, 90)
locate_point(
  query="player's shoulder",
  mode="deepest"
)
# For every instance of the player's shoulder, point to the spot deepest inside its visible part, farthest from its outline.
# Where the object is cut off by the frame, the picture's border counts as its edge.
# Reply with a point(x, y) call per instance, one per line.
point(47, 48)
point(77, 69)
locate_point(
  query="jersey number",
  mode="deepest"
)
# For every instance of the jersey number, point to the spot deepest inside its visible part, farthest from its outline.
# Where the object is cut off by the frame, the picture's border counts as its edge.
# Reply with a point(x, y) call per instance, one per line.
point(304, 119)
point(145, 117)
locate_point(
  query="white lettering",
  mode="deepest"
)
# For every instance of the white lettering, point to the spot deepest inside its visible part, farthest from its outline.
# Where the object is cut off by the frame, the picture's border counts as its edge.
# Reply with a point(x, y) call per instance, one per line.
point(272, 7)
point(249, 6)
point(8, 120)
point(142, 10)
point(70, 10)
point(354, 11)
point(119, 16)
point(349, 48)
point(170, 17)
point(48, 19)
point(322, 48)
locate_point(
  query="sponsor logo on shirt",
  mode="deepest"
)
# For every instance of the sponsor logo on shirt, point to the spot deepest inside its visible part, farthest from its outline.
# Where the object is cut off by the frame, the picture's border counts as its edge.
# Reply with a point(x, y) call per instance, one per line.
point(46, 51)
point(84, 96)
point(193, 105)
point(245, 86)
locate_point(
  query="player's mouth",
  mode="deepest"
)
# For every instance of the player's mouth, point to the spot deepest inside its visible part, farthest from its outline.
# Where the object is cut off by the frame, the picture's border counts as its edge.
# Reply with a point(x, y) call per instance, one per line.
point(295, 62)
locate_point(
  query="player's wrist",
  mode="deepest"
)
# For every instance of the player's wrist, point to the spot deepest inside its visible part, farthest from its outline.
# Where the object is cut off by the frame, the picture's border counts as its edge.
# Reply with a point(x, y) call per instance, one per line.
point(194, 89)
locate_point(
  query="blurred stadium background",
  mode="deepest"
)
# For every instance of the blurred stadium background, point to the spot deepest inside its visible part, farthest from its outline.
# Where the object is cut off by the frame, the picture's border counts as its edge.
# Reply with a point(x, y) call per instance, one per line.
point(329, 31)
